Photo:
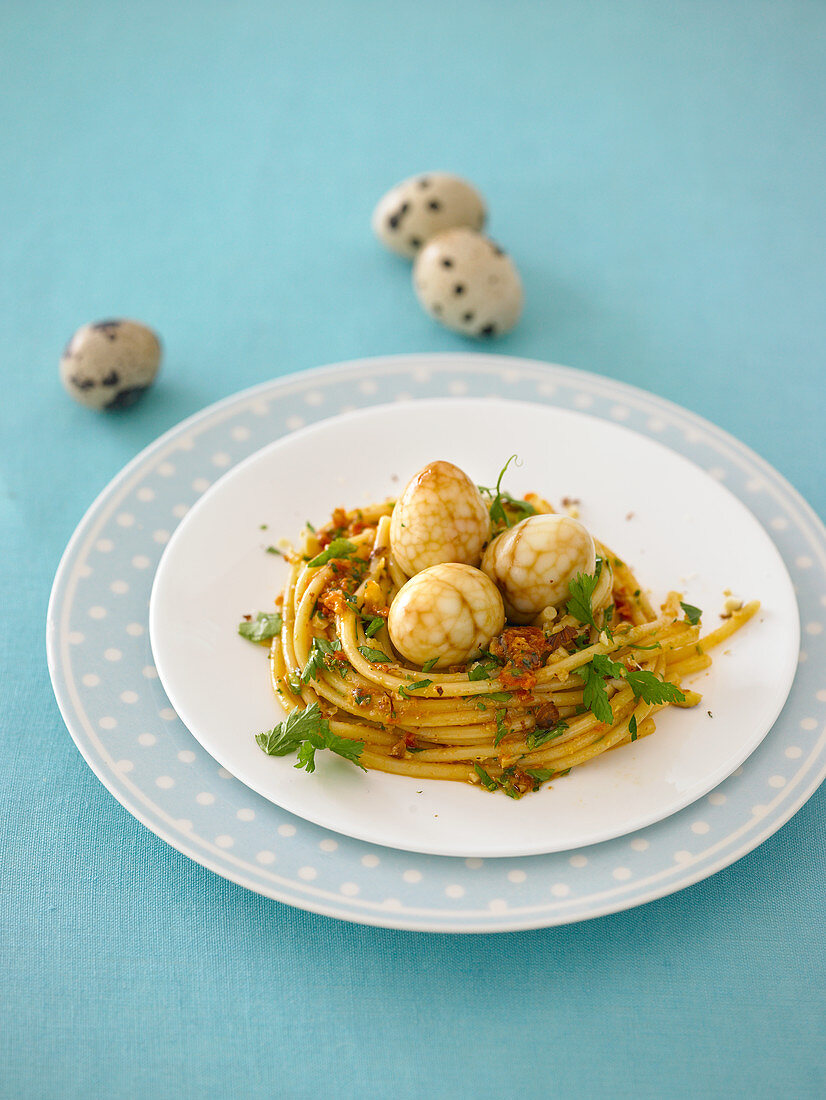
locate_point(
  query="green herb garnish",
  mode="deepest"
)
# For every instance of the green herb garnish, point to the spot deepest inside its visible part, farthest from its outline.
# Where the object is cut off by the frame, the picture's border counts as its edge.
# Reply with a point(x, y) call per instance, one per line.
point(316, 662)
point(540, 773)
point(632, 726)
point(375, 625)
point(374, 655)
point(338, 548)
point(405, 689)
point(481, 670)
point(265, 625)
point(428, 665)
point(488, 783)
point(541, 737)
point(595, 693)
point(498, 696)
point(501, 728)
point(651, 689)
point(275, 550)
point(304, 731)
point(498, 514)
point(692, 613)
point(581, 589)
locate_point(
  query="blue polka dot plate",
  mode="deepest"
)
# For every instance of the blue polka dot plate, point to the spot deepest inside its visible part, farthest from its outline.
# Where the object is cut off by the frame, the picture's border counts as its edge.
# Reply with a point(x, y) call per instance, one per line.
point(106, 681)
point(686, 530)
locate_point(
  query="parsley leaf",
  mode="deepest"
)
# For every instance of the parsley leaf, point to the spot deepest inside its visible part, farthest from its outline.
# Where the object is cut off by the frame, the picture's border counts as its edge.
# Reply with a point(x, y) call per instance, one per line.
point(428, 665)
point(540, 773)
point(501, 728)
point(264, 627)
point(374, 655)
point(606, 667)
point(316, 662)
point(405, 689)
point(275, 550)
point(595, 693)
point(481, 670)
point(692, 613)
point(581, 589)
point(488, 783)
point(305, 731)
point(651, 689)
point(498, 696)
point(632, 727)
point(375, 625)
point(338, 548)
point(541, 737)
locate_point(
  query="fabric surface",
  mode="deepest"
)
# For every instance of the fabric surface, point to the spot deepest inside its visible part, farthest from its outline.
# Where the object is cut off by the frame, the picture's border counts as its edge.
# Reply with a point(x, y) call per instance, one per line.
point(658, 173)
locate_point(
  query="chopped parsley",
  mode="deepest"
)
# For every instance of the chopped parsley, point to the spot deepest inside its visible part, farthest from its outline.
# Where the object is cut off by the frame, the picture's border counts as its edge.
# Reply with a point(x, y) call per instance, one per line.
point(487, 782)
point(498, 696)
point(632, 727)
point(338, 548)
point(482, 670)
point(374, 626)
point(501, 728)
point(275, 550)
point(581, 589)
point(316, 662)
point(595, 694)
point(692, 613)
point(540, 774)
point(428, 665)
point(405, 689)
point(377, 656)
point(541, 737)
point(262, 628)
point(304, 731)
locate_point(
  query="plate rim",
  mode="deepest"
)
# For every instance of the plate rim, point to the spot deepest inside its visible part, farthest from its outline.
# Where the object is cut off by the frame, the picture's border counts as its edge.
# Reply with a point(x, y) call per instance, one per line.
point(779, 487)
point(182, 706)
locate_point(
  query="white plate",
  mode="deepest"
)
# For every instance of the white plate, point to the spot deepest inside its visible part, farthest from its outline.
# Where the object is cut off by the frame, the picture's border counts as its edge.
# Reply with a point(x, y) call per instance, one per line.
point(685, 531)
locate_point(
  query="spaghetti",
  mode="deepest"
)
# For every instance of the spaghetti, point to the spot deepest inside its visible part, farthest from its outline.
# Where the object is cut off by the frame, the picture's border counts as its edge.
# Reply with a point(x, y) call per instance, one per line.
point(540, 699)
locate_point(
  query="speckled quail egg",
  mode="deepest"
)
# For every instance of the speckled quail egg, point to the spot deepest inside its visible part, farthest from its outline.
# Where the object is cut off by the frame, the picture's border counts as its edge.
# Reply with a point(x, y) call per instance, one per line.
point(448, 611)
point(109, 364)
point(468, 283)
point(418, 208)
point(532, 562)
point(440, 517)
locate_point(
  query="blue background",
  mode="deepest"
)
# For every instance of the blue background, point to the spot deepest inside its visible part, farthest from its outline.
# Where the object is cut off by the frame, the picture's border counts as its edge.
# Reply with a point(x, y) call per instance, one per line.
point(658, 172)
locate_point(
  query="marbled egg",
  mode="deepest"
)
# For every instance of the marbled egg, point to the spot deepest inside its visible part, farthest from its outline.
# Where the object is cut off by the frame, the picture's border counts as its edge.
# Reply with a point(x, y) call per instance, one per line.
point(468, 283)
point(440, 517)
point(449, 612)
point(109, 364)
point(532, 562)
point(417, 209)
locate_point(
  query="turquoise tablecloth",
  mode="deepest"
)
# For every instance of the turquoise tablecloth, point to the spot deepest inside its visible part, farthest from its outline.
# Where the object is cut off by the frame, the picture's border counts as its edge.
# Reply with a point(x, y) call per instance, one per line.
point(658, 171)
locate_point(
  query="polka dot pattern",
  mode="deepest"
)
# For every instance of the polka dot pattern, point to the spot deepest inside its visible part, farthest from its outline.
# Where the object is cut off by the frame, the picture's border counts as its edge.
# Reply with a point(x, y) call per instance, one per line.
point(122, 720)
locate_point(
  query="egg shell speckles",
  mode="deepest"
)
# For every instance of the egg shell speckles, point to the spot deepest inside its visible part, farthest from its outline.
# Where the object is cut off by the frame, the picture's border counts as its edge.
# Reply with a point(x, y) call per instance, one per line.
point(109, 364)
point(418, 208)
point(468, 283)
point(440, 517)
point(532, 563)
point(448, 611)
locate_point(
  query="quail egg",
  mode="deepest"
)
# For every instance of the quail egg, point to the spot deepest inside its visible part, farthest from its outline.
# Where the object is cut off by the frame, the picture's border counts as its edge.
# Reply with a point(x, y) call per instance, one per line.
point(109, 364)
point(532, 562)
point(447, 611)
point(468, 283)
point(415, 210)
point(440, 517)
